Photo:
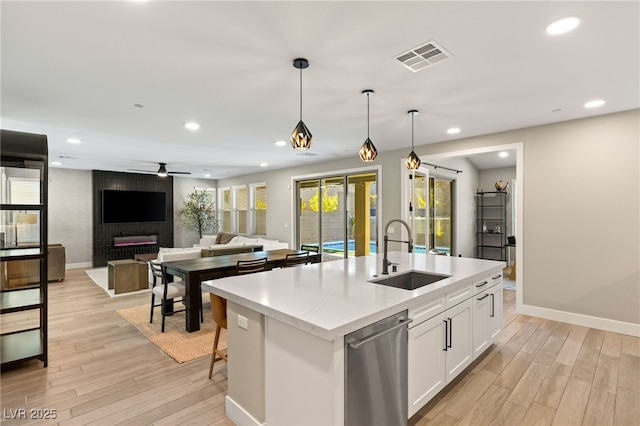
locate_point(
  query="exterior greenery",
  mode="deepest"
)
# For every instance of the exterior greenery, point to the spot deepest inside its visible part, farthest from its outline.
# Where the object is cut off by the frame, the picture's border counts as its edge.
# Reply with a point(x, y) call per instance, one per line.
point(198, 213)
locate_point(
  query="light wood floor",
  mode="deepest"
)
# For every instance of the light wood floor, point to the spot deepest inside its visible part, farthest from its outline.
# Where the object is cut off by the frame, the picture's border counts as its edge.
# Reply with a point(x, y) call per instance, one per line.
point(103, 371)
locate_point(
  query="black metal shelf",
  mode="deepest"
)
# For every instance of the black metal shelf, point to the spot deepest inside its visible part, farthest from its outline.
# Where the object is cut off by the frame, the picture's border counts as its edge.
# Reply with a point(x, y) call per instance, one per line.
point(22, 345)
point(25, 154)
point(491, 209)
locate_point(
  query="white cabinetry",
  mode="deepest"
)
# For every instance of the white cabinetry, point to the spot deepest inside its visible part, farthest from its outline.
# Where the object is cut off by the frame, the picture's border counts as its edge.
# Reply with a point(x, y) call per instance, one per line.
point(487, 313)
point(426, 362)
point(439, 346)
point(458, 327)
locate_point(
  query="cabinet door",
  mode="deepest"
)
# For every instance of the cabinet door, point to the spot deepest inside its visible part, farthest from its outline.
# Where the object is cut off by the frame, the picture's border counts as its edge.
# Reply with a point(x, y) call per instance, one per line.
point(426, 361)
point(495, 312)
point(459, 352)
point(481, 311)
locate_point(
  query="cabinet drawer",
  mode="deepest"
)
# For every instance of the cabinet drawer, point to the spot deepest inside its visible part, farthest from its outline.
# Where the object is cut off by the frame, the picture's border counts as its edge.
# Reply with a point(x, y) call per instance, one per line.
point(460, 295)
point(428, 310)
point(482, 284)
point(496, 278)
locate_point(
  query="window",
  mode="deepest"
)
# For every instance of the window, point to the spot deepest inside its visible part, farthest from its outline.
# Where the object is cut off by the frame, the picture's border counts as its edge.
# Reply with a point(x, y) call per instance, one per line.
point(244, 209)
point(259, 211)
point(225, 202)
point(240, 195)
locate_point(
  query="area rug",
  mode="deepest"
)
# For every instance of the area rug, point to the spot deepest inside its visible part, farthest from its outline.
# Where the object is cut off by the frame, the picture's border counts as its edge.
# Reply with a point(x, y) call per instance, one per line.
point(100, 276)
point(175, 341)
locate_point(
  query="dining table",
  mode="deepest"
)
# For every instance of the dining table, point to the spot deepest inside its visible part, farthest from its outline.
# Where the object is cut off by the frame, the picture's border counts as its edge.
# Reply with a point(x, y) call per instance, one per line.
point(194, 271)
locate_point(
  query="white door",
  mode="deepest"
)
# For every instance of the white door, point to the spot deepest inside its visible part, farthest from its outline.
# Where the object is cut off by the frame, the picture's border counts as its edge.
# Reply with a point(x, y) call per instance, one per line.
point(459, 352)
point(426, 372)
point(481, 313)
point(495, 312)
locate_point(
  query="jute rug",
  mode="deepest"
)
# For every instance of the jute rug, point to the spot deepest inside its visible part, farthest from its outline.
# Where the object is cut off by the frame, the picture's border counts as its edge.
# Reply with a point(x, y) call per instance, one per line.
point(175, 341)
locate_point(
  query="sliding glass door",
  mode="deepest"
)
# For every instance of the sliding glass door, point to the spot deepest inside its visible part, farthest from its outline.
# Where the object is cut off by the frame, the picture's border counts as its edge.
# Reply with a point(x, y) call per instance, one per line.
point(431, 212)
point(338, 214)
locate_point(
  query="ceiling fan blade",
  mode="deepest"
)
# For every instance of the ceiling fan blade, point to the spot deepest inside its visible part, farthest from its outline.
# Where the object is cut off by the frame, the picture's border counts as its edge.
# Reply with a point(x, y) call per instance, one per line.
point(179, 173)
point(145, 171)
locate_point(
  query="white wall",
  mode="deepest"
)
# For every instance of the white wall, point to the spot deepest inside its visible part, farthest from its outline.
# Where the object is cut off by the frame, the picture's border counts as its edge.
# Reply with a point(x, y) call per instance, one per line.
point(70, 214)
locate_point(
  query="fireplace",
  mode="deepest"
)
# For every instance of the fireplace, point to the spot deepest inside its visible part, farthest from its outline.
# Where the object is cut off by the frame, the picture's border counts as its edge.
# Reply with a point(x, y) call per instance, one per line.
point(135, 241)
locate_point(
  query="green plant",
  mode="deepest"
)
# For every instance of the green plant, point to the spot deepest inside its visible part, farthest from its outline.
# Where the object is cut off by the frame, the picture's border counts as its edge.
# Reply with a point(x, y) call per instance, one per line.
point(198, 212)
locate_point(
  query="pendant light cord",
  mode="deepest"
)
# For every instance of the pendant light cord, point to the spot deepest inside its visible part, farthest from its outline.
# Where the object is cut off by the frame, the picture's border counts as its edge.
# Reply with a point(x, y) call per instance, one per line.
point(300, 94)
point(412, 115)
point(367, 115)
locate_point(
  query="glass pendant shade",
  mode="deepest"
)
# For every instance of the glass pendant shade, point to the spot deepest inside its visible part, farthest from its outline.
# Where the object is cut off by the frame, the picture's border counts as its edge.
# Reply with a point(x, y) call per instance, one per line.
point(413, 161)
point(301, 137)
point(368, 151)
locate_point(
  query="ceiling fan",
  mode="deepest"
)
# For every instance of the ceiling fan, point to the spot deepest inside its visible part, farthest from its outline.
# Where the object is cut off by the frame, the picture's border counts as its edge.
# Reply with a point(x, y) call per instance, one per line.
point(162, 171)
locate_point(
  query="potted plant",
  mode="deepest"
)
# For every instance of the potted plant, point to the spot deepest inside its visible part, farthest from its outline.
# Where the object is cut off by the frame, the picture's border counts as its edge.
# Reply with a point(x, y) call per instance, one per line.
point(198, 212)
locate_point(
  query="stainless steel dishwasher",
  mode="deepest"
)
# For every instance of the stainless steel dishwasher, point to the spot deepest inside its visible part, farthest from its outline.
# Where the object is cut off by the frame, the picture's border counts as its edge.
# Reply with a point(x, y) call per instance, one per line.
point(376, 373)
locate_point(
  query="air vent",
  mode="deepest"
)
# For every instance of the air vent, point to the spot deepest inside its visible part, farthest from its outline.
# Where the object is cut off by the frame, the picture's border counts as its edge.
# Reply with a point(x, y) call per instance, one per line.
point(66, 157)
point(423, 56)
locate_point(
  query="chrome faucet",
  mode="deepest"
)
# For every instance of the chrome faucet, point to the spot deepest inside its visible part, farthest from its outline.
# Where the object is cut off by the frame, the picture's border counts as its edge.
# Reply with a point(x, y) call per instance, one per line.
point(385, 261)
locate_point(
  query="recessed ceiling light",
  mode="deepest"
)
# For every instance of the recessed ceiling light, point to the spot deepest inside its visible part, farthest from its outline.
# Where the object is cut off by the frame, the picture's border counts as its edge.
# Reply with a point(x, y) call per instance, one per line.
point(563, 25)
point(207, 175)
point(56, 163)
point(74, 140)
point(280, 143)
point(192, 125)
point(263, 164)
point(503, 154)
point(453, 130)
point(594, 104)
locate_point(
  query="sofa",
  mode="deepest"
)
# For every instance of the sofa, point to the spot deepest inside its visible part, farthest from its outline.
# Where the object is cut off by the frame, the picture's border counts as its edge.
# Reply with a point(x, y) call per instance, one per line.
point(229, 240)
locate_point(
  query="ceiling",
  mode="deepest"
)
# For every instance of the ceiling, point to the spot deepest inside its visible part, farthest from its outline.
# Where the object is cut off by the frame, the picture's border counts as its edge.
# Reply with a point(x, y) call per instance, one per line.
point(76, 70)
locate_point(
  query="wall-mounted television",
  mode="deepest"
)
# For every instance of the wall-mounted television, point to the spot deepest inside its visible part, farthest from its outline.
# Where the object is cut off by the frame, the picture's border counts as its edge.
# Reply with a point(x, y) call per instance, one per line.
point(133, 206)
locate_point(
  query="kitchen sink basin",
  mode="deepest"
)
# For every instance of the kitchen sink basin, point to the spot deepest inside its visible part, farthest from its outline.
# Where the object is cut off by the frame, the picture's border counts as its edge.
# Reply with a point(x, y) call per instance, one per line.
point(410, 280)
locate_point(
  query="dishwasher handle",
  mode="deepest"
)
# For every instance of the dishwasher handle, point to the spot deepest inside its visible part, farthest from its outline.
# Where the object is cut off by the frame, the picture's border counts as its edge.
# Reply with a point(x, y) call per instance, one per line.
point(358, 343)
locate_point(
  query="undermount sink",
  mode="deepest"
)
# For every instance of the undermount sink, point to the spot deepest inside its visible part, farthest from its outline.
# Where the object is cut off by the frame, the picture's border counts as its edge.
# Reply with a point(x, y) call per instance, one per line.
point(410, 280)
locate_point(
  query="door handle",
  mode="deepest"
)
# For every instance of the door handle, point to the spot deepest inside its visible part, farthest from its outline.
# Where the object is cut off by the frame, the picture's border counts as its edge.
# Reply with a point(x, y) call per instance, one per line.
point(493, 309)
point(483, 297)
point(450, 332)
point(357, 344)
point(483, 283)
point(446, 334)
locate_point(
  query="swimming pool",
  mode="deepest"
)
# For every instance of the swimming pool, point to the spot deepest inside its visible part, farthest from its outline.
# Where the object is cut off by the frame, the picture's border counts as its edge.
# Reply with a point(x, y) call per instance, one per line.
point(338, 247)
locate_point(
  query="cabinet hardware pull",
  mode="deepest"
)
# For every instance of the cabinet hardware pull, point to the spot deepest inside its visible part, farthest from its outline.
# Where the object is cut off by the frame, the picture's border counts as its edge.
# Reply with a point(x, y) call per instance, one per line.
point(496, 277)
point(482, 284)
point(446, 334)
point(493, 302)
point(450, 332)
point(402, 323)
point(483, 297)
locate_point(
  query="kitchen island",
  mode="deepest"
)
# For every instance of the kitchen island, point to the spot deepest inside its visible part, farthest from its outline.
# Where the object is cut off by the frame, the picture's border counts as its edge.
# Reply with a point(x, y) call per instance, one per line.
point(287, 328)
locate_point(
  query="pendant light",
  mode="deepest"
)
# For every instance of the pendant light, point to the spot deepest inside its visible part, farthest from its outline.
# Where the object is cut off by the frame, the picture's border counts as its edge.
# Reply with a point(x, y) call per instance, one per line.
point(412, 161)
point(301, 137)
point(368, 151)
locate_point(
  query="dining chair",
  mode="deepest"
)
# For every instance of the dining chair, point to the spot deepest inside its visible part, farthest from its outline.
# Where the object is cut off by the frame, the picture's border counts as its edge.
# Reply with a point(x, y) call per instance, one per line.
point(309, 247)
point(219, 307)
point(296, 259)
point(165, 291)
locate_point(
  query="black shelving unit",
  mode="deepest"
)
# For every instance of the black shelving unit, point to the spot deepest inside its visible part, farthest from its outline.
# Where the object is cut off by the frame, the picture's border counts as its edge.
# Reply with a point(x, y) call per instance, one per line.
point(23, 248)
point(491, 225)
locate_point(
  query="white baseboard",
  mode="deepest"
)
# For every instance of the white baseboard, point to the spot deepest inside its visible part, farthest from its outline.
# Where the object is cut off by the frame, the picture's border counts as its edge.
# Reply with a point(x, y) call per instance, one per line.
point(628, 328)
point(78, 265)
point(239, 415)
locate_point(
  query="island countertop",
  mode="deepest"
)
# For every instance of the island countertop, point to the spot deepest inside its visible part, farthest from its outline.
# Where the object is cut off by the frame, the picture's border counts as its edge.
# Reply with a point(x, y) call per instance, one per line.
point(334, 298)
